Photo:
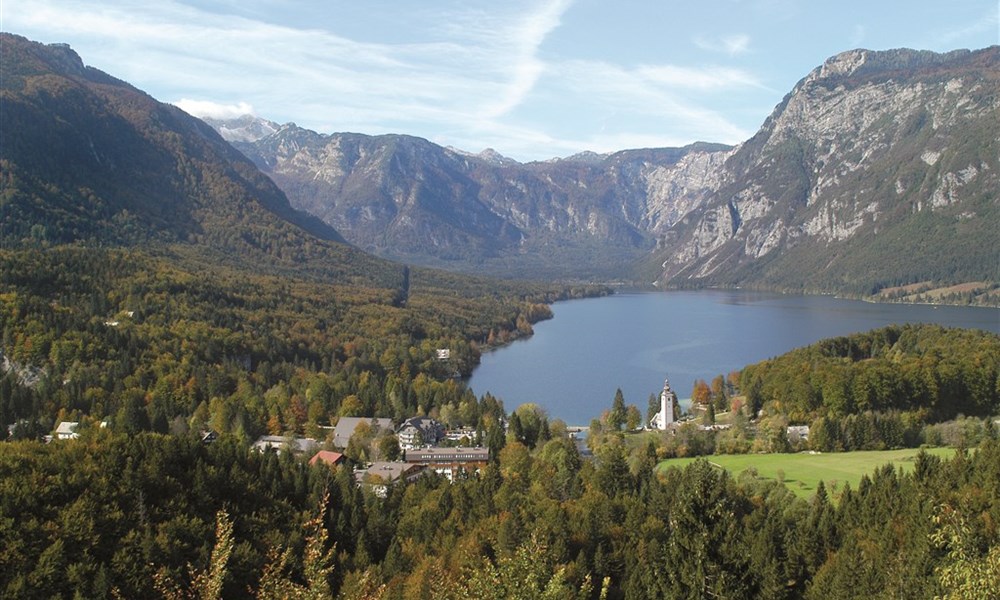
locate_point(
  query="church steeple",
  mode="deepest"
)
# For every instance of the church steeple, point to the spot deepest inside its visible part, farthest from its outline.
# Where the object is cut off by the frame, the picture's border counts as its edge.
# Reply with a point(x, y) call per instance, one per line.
point(666, 415)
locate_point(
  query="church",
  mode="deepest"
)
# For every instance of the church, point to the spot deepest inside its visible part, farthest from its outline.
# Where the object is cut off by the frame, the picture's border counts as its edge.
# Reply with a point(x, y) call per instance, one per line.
point(665, 417)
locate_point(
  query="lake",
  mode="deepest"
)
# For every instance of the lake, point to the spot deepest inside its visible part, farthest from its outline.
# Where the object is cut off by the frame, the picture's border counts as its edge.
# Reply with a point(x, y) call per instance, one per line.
point(573, 363)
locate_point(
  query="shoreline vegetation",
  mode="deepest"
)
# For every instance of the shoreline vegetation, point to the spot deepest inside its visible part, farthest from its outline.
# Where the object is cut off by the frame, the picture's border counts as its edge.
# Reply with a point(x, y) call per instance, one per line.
point(985, 294)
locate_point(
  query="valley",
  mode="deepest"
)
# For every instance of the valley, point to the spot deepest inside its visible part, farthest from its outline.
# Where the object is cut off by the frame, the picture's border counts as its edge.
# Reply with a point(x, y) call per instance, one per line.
point(878, 170)
point(220, 368)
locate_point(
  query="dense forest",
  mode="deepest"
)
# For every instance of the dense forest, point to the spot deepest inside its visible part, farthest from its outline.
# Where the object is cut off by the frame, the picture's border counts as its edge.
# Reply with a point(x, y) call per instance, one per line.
point(142, 508)
point(152, 344)
point(900, 386)
point(938, 371)
point(153, 515)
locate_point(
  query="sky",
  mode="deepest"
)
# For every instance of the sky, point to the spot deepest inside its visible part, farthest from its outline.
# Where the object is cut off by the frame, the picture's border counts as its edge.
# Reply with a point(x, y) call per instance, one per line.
point(532, 79)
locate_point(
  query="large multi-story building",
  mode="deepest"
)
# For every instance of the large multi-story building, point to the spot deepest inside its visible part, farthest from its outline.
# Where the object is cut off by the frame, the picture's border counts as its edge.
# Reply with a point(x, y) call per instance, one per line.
point(450, 462)
point(419, 431)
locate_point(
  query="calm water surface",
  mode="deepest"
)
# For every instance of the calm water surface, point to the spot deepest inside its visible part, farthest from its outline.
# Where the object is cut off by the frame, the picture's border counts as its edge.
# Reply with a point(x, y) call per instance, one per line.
point(575, 362)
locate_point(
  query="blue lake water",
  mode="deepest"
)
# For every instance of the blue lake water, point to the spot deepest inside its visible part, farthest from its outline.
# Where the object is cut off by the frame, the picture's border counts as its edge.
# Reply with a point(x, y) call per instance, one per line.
point(573, 363)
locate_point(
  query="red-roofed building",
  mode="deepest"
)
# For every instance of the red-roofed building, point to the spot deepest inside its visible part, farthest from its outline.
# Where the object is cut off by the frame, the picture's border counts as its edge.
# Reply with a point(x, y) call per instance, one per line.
point(330, 458)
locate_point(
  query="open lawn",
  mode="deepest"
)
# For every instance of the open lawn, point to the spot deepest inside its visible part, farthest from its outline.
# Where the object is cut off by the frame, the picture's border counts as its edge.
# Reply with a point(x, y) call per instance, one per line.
point(803, 471)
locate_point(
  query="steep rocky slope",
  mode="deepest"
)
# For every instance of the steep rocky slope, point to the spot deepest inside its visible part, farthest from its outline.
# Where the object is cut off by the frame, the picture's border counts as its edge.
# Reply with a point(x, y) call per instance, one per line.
point(408, 199)
point(879, 168)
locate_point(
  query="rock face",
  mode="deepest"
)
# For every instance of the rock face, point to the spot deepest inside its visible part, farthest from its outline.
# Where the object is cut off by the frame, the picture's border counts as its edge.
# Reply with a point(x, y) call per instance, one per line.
point(243, 129)
point(878, 167)
point(405, 198)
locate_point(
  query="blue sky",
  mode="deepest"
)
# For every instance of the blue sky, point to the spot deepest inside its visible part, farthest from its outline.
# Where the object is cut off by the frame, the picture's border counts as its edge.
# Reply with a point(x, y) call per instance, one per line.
point(532, 79)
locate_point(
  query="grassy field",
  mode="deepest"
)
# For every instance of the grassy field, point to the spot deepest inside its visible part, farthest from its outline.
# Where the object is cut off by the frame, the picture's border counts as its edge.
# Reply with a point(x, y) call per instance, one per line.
point(802, 472)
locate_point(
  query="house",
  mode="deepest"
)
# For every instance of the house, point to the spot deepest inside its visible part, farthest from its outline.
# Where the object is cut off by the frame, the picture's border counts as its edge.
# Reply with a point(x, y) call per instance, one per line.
point(328, 457)
point(67, 430)
point(419, 431)
point(209, 436)
point(797, 433)
point(450, 462)
point(463, 433)
point(715, 427)
point(280, 442)
point(380, 475)
point(347, 425)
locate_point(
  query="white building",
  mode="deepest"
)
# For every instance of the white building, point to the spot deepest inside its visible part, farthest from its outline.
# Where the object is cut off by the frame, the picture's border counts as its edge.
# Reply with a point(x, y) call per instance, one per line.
point(419, 431)
point(666, 416)
point(280, 443)
point(67, 430)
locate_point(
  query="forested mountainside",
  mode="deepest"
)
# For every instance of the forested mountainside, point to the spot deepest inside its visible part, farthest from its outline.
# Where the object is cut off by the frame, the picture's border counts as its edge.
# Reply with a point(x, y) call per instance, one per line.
point(408, 199)
point(89, 158)
point(125, 513)
point(879, 169)
point(148, 274)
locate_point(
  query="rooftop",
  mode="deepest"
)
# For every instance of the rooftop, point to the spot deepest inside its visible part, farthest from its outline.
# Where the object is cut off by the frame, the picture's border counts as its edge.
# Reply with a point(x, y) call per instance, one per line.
point(437, 454)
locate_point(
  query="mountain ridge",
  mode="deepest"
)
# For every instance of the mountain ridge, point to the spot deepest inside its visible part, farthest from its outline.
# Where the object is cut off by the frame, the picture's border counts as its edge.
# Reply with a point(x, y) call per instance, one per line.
point(858, 163)
point(704, 214)
point(407, 199)
point(106, 164)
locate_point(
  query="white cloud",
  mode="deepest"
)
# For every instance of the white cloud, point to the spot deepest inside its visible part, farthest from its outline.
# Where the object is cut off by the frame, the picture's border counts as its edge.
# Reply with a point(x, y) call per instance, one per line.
point(732, 45)
point(472, 79)
point(214, 110)
point(858, 36)
point(987, 22)
point(705, 78)
point(498, 51)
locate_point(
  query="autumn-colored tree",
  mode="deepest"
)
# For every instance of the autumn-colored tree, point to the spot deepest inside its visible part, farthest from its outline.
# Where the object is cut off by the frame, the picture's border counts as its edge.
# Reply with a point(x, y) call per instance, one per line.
point(388, 447)
point(701, 394)
point(968, 572)
point(205, 584)
point(633, 418)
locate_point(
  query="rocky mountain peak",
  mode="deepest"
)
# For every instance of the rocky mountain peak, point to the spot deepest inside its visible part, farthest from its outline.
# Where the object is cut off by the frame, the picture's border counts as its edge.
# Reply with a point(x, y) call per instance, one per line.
point(841, 65)
point(409, 199)
point(867, 150)
point(495, 158)
point(65, 59)
point(245, 128)
point(860, 65)
point(586, 157)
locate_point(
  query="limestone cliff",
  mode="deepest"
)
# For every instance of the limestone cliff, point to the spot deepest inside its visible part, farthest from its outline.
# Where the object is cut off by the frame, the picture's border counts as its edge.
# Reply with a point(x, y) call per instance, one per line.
point(409, 199)
point(878, 167)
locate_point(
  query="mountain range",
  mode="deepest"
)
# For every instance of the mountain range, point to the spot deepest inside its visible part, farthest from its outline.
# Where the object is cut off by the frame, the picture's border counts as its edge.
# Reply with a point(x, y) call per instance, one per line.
point(410, 200)
point(89, 160)
point(878, 169)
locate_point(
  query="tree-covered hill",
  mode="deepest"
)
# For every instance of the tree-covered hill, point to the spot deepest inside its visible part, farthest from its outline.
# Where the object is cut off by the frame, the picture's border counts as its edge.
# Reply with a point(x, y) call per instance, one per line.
point(113, 516)
point(151, 275)
point(89, 159)
point(933, 371)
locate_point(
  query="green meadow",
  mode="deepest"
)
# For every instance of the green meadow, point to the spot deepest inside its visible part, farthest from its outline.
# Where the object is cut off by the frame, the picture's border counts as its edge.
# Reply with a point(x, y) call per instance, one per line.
point(803, 471)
